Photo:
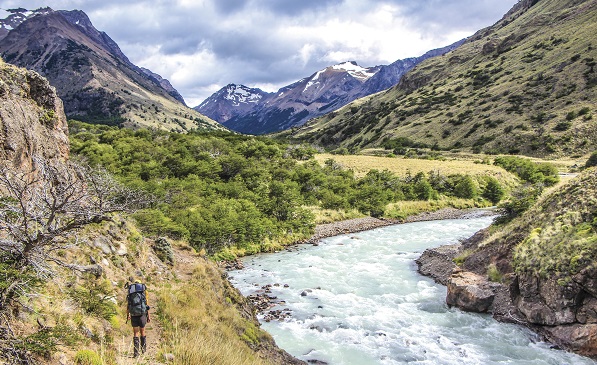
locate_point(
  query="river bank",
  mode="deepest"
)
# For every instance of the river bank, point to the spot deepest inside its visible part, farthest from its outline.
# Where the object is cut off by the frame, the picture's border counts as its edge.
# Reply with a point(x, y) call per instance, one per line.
point(357, 299)
point(367, 223)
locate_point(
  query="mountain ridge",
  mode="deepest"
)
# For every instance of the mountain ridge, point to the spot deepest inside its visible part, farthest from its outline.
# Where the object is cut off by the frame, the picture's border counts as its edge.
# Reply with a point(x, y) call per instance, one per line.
point(94, 78)
point(322, 92)
point(524, 85)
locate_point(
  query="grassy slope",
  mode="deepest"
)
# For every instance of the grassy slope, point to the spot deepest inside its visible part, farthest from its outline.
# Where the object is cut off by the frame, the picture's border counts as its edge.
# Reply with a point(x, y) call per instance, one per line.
point(510, 90)
point(555, 238)
point(197, 316)
point(361, 164)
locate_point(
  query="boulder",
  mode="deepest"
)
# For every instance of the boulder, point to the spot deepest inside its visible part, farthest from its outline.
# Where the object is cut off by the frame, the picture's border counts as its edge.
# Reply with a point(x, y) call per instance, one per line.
point(438, 263)
point(579, 338)
point(470, 292)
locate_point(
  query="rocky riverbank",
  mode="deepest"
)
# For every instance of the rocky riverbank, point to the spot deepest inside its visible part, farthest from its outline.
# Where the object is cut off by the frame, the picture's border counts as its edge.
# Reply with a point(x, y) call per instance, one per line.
point(263, 302)
point(364, 224)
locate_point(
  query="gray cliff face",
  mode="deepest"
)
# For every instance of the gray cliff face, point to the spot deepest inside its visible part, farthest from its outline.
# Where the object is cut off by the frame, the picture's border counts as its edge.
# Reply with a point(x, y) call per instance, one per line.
point(32, 120)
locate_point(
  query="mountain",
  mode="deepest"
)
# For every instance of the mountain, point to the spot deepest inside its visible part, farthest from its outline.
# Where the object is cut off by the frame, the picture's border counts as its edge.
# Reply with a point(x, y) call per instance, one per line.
point(524, 85)
point(391, 74)
point(321, 93)
point(93, 77)
point(231, 101)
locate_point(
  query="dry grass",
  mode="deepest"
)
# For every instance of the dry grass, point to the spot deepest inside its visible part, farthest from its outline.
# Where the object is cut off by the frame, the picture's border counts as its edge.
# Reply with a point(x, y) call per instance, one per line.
point(323, 216)
point(361, 164)
point(201, 324)
point(403, 209)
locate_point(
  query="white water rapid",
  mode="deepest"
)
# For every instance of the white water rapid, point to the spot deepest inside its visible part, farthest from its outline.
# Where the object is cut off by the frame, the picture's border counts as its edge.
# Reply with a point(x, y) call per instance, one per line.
point(364, 303)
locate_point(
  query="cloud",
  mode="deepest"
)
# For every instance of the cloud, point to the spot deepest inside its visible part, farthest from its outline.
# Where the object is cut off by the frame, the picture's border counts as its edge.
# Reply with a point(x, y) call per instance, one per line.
point(202, 45)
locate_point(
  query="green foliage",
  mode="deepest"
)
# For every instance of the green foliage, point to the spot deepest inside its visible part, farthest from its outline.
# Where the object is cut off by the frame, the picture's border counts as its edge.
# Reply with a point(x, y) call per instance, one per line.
point(163, 249)
point(493, 191)
point(494, 274)
point(466, 188)
point(224, 191)
point(521, 200)
point(155, 223)
point(46, 341)
point(95, 298)
point(11, 274)
point(88, 357)
point(529, 171)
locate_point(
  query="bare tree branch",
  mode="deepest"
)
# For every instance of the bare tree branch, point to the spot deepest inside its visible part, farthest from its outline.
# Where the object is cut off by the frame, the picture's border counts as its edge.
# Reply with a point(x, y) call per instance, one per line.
point(41, 209)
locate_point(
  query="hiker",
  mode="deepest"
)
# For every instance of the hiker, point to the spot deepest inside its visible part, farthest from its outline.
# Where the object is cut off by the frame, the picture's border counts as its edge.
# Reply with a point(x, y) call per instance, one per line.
point(137, 310)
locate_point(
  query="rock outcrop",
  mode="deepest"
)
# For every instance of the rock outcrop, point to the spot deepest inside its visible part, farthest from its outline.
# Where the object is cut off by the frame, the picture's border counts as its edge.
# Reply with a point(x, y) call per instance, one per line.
point(545, 262)
point(32, 120)
point(470, 292)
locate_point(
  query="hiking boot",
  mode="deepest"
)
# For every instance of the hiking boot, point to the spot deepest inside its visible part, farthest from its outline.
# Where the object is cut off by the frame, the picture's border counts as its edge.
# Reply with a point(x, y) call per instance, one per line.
point(135, 346)
point(143, 344)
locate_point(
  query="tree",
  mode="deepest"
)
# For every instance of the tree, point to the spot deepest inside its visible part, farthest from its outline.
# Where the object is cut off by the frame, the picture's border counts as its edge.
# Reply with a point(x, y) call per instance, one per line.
point(41, 209)
point(493, 191)
point(466, 188)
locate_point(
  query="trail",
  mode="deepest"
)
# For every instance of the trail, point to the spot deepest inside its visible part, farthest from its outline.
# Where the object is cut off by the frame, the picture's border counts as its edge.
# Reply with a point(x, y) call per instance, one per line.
point(183, 270)
point(153, 330)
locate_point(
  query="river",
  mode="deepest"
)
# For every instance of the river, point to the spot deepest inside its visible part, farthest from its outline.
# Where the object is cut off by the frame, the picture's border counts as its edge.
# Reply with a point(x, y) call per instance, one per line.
point(357, 299)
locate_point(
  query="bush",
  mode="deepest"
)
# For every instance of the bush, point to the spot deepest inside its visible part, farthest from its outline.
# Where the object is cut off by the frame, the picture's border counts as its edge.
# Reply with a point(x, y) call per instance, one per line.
point(88, 357)
point(494, 274)
point(522, 199)
point(592, 161)
point(493, 191)
point(466, 188)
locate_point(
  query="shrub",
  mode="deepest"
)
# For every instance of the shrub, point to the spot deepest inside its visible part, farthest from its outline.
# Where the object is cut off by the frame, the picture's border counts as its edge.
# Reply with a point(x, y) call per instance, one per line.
point(466, 188)
point(88, 357)
point(493, 191)
point(522, 199)
point(494, 274)
point(592, 161)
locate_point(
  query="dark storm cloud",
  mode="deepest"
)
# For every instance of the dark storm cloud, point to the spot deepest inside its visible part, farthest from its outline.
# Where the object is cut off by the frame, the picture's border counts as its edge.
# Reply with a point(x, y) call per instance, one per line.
point(293, 7)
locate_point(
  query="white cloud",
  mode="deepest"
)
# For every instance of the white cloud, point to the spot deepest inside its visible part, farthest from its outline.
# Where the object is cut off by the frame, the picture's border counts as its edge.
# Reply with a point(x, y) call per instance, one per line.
point(202, 45)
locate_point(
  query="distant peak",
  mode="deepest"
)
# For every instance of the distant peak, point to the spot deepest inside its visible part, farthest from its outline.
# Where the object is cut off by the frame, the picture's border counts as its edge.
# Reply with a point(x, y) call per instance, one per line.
point(356, 71)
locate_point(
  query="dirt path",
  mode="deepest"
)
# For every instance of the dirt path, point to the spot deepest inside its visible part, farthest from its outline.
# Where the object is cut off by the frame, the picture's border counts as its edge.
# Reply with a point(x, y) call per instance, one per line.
point(183, 270)
point(153, 330)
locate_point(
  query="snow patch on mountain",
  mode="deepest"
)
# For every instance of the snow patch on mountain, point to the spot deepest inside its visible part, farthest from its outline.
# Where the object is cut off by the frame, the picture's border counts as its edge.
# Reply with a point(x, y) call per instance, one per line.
point(240, 94)
point(356, 71)
point(314, 80)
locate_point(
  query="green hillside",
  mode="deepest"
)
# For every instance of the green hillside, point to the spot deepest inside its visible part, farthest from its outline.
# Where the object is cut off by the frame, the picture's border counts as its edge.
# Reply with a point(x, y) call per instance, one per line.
point(524, 86)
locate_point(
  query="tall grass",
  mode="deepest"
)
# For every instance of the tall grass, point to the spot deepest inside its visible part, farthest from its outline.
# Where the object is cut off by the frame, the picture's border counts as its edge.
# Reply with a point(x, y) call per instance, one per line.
point(202, 325)
point(361, 164)
point(404, 209)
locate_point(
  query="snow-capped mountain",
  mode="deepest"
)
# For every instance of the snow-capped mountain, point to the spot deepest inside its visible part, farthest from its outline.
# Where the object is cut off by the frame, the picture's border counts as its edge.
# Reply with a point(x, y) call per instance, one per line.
point(17, 16)
point(231, 101)
point(254, 111)
point(322, 92)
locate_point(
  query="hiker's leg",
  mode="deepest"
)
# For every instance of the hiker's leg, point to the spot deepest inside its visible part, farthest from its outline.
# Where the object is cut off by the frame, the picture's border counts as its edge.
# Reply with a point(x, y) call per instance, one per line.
point(136, 344)
point(143, 343)
point(142, 323)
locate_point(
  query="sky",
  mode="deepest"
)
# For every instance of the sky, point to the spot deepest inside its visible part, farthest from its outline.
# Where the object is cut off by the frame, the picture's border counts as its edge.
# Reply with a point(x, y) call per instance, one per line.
point(201, 46)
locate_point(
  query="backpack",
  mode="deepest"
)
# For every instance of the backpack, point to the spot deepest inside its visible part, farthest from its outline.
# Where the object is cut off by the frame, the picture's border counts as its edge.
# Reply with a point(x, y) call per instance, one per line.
point(137, 303)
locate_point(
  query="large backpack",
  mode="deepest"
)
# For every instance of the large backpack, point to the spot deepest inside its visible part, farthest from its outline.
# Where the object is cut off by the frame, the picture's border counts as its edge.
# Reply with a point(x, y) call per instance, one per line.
point(137, 303)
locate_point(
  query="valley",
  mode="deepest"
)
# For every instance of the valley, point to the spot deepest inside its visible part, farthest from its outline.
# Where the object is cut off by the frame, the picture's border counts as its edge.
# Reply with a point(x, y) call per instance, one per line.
point(108, 176)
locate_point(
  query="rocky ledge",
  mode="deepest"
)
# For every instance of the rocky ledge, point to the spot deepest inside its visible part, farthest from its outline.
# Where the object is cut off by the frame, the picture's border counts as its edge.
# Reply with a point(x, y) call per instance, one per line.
point(560, 314)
